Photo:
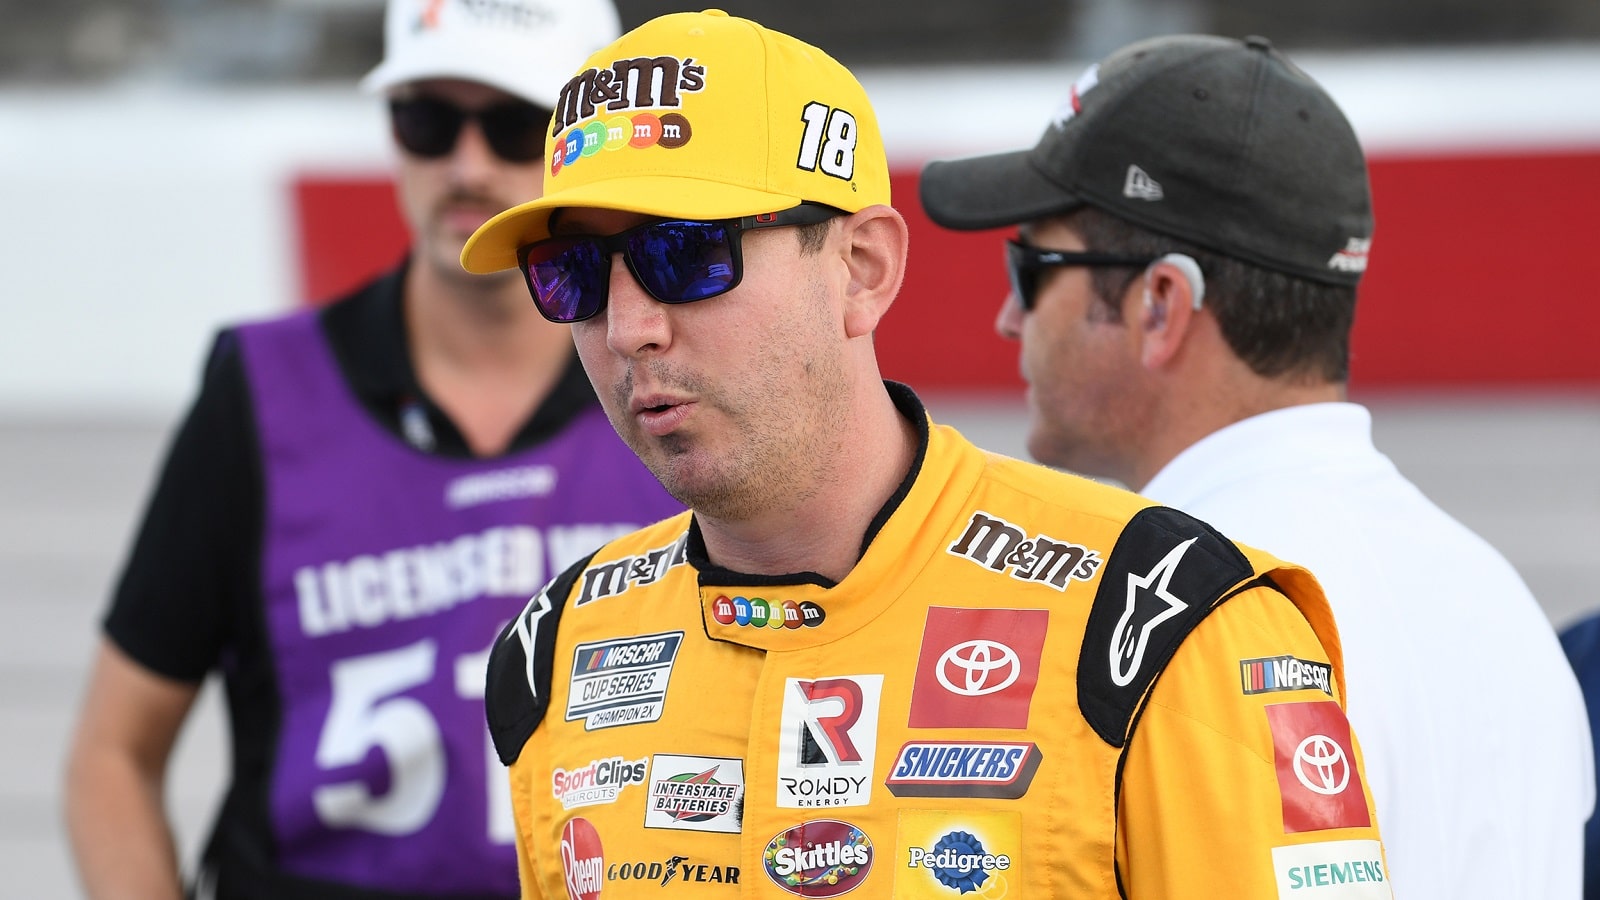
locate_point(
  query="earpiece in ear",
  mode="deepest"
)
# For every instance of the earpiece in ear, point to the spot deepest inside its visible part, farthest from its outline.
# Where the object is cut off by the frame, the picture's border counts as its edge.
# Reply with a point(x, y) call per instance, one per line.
point(1157, 315)
point(1191, 273)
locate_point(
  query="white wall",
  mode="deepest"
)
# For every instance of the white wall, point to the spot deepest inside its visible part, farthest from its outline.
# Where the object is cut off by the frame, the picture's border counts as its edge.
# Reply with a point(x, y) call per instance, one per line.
point(133, 221)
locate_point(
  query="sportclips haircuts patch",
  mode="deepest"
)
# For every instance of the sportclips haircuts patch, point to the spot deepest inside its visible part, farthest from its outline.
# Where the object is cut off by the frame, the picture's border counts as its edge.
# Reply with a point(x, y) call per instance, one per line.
point(618, 99)
point(829, 741)
point(621, 681)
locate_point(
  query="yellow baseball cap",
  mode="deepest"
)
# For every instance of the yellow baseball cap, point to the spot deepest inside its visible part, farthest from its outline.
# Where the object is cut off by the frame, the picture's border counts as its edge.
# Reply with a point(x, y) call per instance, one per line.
point(705, 116)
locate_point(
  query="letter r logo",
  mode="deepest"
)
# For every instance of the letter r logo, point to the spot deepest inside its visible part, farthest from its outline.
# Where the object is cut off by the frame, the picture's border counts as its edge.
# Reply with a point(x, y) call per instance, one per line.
point(832, 708)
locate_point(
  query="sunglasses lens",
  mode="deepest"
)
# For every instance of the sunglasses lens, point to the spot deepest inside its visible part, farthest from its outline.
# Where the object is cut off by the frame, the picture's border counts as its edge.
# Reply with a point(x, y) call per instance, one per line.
point(424, 126)
point(515, 131)
point(680, 262)
point(567, 277)
point(1023, 278)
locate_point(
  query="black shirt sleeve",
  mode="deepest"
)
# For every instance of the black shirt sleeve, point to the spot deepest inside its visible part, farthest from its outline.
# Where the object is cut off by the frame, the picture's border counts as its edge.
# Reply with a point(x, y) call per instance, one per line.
point(194, 563)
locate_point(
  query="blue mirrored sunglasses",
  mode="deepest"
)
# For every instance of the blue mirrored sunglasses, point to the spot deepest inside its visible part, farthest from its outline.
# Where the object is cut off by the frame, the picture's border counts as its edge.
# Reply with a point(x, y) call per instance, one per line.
point(674, 260)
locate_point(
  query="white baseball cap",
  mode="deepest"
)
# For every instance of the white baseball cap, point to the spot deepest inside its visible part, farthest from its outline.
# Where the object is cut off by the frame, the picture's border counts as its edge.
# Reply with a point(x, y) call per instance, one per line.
point(529, 48)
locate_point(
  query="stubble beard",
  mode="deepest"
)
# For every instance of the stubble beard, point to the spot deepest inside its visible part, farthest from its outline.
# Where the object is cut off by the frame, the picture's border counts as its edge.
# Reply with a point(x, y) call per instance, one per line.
point(766, 454)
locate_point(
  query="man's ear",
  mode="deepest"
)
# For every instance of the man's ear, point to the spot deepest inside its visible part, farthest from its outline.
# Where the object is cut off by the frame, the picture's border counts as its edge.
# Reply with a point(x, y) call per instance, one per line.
point(1174, 291)
point(873, 244)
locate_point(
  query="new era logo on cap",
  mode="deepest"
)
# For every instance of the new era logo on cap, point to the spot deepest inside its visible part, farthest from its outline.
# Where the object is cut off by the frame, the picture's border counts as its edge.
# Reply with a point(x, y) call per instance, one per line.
point(1140, 186)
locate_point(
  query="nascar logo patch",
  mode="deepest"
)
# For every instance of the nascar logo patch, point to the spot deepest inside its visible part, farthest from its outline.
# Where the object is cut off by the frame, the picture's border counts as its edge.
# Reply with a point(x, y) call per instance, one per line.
point(1285, 673)
point(623, 681)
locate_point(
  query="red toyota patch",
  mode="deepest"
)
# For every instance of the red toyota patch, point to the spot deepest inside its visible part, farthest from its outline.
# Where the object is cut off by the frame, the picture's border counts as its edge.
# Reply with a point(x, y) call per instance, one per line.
point(1317, 774)
point(977, 667)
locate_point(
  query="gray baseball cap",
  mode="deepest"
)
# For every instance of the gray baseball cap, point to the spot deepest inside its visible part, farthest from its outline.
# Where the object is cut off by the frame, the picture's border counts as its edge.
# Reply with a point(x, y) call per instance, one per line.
point(1220, 142)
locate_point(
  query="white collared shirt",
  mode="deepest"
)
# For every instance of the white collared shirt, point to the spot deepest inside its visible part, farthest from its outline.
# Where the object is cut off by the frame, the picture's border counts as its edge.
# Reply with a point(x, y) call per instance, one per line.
point(1473, 726)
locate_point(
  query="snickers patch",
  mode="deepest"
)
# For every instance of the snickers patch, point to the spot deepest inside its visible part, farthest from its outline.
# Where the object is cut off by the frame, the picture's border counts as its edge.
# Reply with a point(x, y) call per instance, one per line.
point(1000, 770)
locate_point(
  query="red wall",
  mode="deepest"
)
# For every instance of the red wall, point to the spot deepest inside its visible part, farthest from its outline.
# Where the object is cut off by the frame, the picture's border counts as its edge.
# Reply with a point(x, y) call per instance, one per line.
point(1481, 274)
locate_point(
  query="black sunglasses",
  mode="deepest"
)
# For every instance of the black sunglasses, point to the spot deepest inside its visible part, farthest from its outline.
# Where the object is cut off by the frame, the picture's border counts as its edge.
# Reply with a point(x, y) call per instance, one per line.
point(428, 127)
point(1024, 262)
point(674, 260)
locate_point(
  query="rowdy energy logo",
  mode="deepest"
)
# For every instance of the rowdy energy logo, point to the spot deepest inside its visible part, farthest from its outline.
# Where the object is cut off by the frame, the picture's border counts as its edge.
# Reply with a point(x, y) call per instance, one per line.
point(977, 667)
point(946, 854)
point(829, 741)
point(598, 782)
point(641, 83)
point(820, 858)
point(993, 542)
point(762, 613)
point(999, 770)
point(695, 793)
point(1285, 673)
point(621, 681)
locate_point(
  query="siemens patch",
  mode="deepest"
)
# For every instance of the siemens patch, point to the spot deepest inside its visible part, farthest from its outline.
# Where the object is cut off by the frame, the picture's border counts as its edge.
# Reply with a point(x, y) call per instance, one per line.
point(1331, 870)
point(1285, 673)
point(621, 681)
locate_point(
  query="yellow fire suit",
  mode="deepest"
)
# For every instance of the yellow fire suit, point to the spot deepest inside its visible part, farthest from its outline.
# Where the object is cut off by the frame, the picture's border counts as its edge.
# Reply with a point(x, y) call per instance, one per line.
point(1030, 685)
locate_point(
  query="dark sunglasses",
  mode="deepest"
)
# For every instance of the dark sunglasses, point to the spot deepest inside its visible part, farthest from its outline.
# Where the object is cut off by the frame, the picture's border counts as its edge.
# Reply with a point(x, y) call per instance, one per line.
point(1024, 262)
point(674, 260)
point(428, 127)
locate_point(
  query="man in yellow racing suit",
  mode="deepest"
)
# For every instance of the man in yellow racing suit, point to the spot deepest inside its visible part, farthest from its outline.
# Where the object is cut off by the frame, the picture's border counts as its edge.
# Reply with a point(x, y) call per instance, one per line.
point(873, 659)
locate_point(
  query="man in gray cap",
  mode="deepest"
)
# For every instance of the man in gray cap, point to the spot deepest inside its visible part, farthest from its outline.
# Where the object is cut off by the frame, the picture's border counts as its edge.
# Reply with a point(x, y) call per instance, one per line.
point(1192, 227)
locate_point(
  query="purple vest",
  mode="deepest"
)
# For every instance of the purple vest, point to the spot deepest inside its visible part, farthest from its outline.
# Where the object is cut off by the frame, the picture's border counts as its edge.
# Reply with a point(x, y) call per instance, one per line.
point(387, 574)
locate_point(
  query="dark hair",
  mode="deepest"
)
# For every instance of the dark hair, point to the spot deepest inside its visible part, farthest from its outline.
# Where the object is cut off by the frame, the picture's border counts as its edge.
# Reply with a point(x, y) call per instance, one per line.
point(813, 237)
point(1279, 324)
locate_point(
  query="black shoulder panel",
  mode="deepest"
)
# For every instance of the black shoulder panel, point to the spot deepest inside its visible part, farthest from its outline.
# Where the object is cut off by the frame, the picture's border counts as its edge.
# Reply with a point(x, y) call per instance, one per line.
point(518, 690)
point(1167, 571)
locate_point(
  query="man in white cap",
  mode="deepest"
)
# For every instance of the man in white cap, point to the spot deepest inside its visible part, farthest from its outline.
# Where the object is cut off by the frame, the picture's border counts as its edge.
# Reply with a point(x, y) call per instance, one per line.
point(360, 497)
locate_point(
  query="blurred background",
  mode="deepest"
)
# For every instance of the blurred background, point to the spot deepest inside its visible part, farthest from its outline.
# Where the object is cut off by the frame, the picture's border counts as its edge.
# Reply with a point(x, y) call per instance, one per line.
point(170, 165)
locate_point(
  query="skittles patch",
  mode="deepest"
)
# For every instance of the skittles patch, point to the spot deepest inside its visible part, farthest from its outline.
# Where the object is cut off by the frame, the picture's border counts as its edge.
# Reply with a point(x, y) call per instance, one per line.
point(819, 858)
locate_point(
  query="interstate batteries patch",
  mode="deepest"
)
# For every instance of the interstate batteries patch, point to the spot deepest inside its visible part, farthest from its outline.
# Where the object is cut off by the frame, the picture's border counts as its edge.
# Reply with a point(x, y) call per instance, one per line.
point(622, 681)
